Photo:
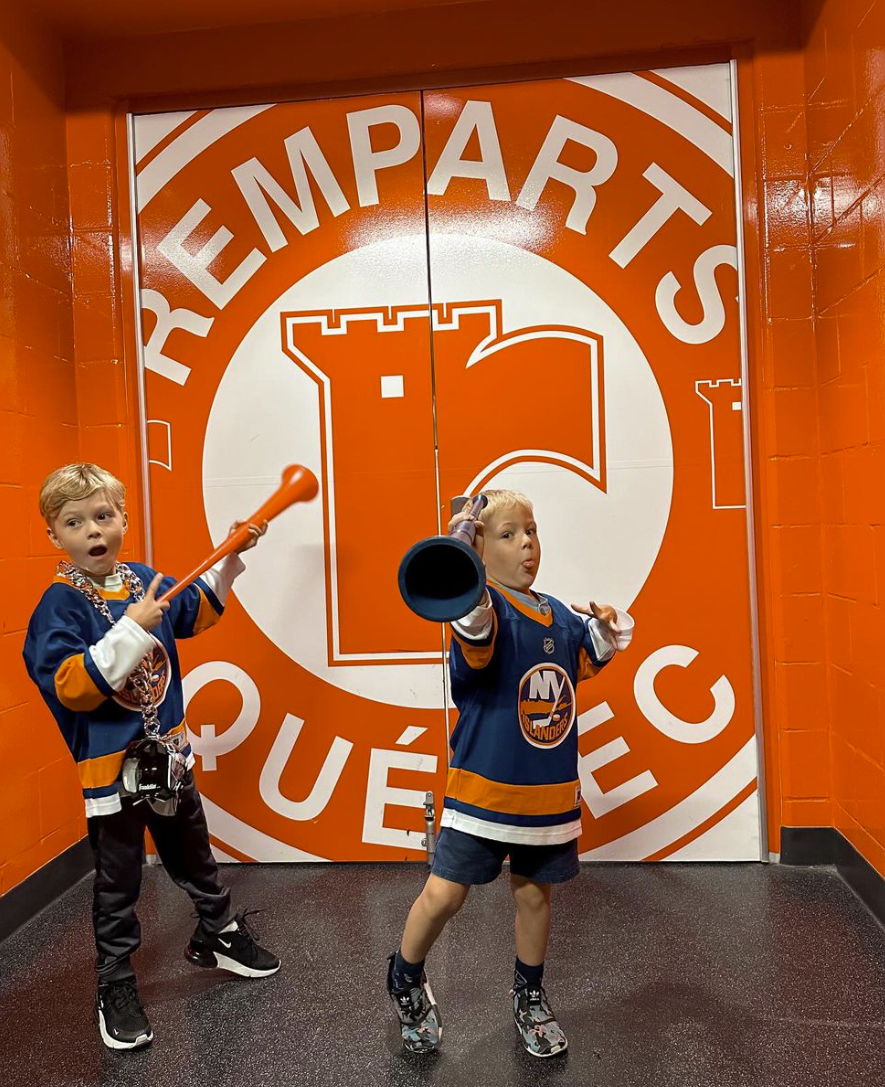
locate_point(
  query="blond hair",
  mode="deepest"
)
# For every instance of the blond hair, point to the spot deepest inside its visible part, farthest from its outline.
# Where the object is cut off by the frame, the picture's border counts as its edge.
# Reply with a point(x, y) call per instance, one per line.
point(74, 482)
point(502, 499)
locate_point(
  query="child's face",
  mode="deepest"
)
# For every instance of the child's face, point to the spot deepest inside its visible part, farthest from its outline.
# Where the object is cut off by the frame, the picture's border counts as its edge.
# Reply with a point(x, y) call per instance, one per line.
point(91, 530)
point(511, 548)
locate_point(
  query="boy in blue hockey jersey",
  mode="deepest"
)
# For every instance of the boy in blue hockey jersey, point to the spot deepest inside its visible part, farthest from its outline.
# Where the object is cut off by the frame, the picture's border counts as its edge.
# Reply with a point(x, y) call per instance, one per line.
point(513, 785)
point(101, 649)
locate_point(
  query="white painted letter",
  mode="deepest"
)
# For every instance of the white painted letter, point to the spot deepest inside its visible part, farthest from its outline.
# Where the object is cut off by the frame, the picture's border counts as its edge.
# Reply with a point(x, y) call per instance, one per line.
point(315, 802)
point(475, 117)
point(713, 321)
point(597, 801)
point(195, 266)
point(686, 732)
point(379, 794)
point(366, 162)
point(255, 181)
point(547, 167)
point(673, 198)
point(205, 743)
point(167, 320)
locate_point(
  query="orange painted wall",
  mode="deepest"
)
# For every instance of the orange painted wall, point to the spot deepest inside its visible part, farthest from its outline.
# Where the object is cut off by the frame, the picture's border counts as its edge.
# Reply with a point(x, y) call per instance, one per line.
point(55, 406)
point(845, 89)
point(785, 442)
point(813, 233)
point(40, 812)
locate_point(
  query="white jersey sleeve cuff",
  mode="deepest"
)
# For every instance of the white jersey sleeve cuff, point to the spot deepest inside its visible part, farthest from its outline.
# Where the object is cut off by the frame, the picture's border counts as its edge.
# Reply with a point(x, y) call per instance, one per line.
point(478, 623)
point(607, 639)
point(117, 654)
point(222, 575)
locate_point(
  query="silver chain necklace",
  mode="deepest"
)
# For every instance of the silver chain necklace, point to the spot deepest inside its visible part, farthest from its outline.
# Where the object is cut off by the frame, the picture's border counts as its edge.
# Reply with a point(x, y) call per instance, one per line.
point(142, 675)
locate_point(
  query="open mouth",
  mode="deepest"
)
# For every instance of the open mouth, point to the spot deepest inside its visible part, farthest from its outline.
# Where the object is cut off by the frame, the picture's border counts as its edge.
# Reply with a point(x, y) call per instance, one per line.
point(97, 551)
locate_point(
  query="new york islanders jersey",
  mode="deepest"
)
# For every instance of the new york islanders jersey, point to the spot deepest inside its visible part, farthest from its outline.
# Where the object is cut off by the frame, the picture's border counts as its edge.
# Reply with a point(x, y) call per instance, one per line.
point(513, 775)
point(83, 667)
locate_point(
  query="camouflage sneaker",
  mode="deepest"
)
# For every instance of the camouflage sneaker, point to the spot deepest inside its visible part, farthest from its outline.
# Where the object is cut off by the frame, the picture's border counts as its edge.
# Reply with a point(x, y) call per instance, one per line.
point(419, 1018)
point(541, 1035)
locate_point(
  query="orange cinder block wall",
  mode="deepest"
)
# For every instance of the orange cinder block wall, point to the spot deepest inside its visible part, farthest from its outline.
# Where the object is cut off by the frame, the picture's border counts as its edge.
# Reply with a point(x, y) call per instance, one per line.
point(41, 813)
point(55, 407)
point(845, 93)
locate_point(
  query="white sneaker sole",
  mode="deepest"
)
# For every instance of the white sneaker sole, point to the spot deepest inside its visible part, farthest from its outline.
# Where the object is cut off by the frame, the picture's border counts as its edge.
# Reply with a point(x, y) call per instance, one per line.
point(234, 967)
point(555, 1053)
point(115, 1043)
point(435, 1007)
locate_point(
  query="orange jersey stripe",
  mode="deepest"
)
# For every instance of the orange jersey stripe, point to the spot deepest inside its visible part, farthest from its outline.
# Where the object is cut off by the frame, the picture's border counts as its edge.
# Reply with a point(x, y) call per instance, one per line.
point(105, 769)
point(497, 796)
point(544, 620)
point(207, 616)
point(75, 688)
point(478, 656)
point(586, 668)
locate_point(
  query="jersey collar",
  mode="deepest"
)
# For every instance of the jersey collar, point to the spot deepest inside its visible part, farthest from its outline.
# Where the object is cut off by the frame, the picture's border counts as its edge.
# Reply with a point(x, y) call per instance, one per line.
point(527, 604)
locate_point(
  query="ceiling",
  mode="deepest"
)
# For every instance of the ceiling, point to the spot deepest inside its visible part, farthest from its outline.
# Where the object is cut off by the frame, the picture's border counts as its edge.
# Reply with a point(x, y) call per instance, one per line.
point(98, 19)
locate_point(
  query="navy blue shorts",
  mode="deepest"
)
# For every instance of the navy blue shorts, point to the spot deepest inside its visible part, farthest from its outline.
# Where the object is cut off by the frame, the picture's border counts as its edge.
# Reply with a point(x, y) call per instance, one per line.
point(466, 858)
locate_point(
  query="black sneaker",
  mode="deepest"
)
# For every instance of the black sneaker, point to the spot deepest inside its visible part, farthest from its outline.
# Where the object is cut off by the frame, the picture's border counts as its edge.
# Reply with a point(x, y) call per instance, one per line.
point(538, 1029)
point(121, 1019)
point(237, 951)
point(419, 1018)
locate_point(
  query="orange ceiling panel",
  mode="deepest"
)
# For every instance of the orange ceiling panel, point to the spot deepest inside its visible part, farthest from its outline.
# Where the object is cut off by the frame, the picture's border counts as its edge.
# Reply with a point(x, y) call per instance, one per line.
point(110, 19)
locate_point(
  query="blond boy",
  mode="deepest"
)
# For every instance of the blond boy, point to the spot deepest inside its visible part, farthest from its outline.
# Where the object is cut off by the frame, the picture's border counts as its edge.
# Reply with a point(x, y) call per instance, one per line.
point(513, 787)
point(101, 648)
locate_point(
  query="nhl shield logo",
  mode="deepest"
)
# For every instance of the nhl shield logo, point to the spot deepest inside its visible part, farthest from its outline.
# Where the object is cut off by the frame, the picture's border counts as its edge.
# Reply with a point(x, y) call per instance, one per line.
point(549, 646)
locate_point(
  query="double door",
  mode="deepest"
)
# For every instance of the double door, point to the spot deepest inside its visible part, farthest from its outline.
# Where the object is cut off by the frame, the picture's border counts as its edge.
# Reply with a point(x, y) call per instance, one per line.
point(531, 285)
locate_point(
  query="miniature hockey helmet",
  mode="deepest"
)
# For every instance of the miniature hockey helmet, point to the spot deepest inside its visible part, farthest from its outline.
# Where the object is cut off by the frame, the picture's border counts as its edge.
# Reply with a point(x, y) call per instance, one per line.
point(152, 770)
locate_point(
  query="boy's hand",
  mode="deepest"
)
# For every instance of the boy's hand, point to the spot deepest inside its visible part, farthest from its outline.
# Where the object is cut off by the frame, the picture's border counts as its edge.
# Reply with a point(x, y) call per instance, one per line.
point(605, 613)
point(464, 515)
point(255, 534)
point(148, 613)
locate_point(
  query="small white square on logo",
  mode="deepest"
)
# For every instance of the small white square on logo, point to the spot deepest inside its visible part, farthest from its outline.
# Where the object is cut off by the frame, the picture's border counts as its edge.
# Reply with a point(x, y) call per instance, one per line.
point(391, 386)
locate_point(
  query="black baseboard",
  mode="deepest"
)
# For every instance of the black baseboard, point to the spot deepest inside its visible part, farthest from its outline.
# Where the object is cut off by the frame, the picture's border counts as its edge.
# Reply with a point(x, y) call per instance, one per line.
point(861, 877)
point(808, 845)
point(826, 845)
point(44, 887)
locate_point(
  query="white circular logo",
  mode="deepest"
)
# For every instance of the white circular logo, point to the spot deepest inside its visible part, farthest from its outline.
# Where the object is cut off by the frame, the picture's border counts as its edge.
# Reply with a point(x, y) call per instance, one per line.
point(597, 544)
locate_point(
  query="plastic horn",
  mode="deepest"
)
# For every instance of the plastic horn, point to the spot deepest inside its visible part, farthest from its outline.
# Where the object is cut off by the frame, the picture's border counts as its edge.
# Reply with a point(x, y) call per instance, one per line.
point(298, 484)
point(442, 578)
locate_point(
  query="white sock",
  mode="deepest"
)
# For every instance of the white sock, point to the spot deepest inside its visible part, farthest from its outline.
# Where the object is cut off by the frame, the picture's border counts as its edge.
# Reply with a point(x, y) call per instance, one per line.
point(232, 927)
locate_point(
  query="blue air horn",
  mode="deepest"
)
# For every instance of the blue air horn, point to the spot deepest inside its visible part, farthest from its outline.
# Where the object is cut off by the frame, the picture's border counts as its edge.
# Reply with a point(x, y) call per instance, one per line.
point(442, 578)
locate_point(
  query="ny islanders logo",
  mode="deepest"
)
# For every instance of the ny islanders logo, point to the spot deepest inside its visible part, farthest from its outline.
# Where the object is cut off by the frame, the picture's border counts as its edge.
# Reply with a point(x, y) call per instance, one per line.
point(418, 296)
point(546, 705)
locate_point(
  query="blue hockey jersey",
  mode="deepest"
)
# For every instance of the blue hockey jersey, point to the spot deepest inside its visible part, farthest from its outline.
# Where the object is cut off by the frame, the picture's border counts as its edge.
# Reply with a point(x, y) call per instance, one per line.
point(513, 775)
point(98, 720)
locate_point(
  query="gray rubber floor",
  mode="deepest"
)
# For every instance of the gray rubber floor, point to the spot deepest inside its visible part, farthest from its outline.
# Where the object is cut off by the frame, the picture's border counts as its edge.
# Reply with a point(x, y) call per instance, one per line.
point(665, 975)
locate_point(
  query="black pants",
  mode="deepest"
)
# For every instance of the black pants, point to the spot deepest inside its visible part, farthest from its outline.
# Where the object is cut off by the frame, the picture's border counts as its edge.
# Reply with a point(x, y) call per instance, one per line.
point(183, 845)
